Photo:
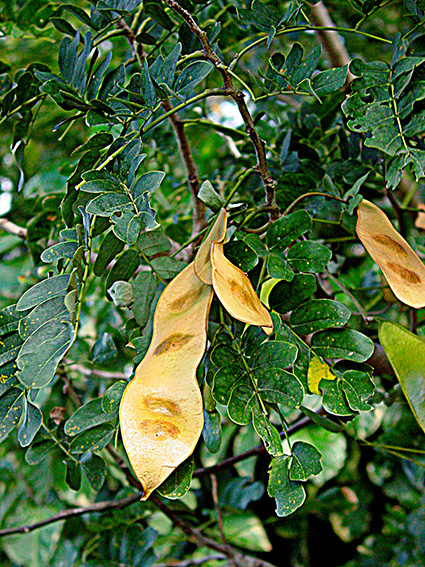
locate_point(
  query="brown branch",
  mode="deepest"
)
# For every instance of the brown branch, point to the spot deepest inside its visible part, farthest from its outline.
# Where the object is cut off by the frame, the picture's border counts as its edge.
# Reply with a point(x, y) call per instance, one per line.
point(199, 222)
point(220, 520)
point(12, 228)
point(74, 512)
point(239, 98)
point(331, 40)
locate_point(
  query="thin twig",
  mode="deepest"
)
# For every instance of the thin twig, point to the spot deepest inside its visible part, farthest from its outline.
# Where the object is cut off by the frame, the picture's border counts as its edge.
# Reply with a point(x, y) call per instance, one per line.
point(220, 519)
point(74, 512)
point(199, 222)
point(12, 228)
point(193, 561)
point(239, 98)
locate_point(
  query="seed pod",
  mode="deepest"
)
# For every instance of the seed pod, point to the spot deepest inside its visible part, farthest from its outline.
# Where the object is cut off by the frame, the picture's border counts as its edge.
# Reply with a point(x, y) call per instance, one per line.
point(235, 292)
point(217, 233)
point(403, 270)
point(161, 413)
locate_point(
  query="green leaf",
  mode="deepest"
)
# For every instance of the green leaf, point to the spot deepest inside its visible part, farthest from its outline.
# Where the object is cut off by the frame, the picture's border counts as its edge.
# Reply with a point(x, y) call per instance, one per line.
point(110, 248)
point(319, 314)
point(73, 474)
point(239, 492)
point(7, 377)
point(153, 242)
point(104, 349)
point(192, 75)
point(39, 451)
point(329, 81)
point(106, 204)
point(287, 229)
point(123, 269)
point(212, 431)
point(241, 255)
point(342, 343)
point(94, 439)
point(112, 397)
point(144, 287)
point(94, 468)
point(9, 319)
point(60, 250)
point(268, 433)
point(322, 421)
point(146, 88)
point(31, 424)
point(126, 226)
point(305, 461)
point(279, 268)
point(406, 353)
point(9, 348)
point(42, 351)
point(121, 293)
point(11, 405)
point(334, 400)
point(289, 495)
point(178, 483)
point(208, 195)
point(101, 182)
point(46, 289)
point(168, 68)
point(87, 416)
point(148, 183)
point(309, 256)
point(50, 310)
point(286, 296)
point(241, 402)
point(166, 267)
point(255, 242)
point(358, 388)
point(155, 10)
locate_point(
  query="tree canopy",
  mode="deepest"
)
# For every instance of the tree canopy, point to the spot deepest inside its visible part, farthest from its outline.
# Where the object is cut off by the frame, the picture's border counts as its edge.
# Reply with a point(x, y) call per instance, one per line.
point(212, 287)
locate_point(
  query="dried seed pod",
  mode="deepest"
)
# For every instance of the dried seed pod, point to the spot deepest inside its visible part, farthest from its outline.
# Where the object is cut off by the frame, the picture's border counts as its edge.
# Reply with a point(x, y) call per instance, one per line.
point(161, 413)
point(403, 270)
point(217, 233)
point(235, 292)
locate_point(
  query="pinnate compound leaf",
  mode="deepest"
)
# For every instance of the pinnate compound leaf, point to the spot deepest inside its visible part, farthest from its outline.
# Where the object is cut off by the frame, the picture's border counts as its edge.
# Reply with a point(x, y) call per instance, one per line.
point(42, 351)
point(347, 344)
point(11, 405)
point(31, 424)
point(178, 483)
point(289, 494)
point(305, 461)
point(89, 415)
point(309, 256)
point(402, 268)
point(319, 314)
point(46, 289)
point(406, 353)
point(286, 296)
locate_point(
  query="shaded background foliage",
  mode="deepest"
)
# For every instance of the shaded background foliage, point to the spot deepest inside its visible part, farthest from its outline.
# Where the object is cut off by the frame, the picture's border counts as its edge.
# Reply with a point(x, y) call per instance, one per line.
point(93, 230)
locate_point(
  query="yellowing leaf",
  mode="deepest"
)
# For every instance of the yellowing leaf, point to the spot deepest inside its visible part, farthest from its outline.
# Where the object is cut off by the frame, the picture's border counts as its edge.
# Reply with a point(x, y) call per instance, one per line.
point(402, 268)
point(161, 413)
point(406, 353)
point(217, 233)
point(317, 370)
point(235, 292)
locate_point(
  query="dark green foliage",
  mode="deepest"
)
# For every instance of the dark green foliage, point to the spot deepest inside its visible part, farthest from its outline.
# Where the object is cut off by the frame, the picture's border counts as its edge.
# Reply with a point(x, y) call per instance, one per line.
point(122, 135)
